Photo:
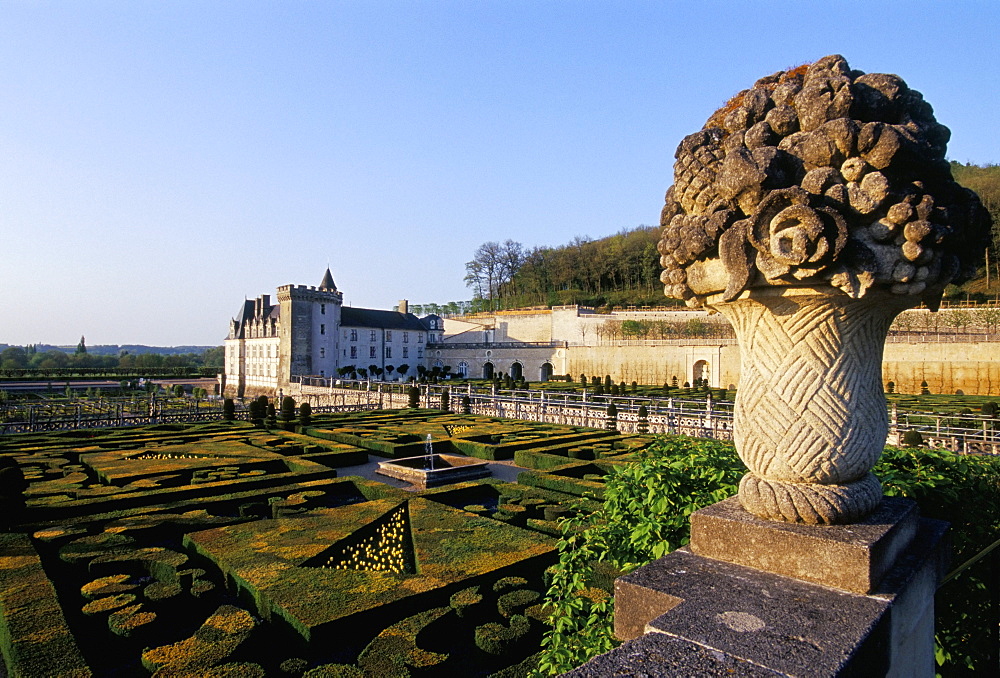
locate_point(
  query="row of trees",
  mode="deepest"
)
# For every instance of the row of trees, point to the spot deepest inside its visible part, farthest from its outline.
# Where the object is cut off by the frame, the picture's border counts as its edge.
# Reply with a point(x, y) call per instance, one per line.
point(951, 320)
point(613, 329)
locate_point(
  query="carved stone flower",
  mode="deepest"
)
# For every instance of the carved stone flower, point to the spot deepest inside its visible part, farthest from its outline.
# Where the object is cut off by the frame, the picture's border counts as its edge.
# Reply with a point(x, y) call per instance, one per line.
point(820, 174)
point(794, 236)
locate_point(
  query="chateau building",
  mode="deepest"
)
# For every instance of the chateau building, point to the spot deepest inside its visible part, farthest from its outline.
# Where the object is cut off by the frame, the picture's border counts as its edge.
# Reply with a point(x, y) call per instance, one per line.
point(310, 333)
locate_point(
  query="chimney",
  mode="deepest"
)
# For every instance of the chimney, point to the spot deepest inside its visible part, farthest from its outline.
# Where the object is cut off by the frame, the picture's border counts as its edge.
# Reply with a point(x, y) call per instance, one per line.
point(404, 306)
point(265, 302)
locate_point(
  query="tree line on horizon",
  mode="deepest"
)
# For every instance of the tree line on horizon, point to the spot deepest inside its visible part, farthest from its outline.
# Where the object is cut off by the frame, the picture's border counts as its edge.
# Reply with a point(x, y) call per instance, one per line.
point(29, 357)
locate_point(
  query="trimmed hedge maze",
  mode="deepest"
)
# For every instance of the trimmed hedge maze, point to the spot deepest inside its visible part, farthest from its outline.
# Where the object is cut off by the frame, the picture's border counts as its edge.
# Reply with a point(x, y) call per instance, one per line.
point(227, 550)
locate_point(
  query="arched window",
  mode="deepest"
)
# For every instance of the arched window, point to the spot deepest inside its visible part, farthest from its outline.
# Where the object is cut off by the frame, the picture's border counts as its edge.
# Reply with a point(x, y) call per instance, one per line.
point(546, 372)
point(463, 369)
point(488, 371)
point(702, 372)
point(516, 371)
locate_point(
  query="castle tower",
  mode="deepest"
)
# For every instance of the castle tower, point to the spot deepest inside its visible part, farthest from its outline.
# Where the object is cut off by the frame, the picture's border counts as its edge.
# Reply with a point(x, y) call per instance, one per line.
point(310, 325)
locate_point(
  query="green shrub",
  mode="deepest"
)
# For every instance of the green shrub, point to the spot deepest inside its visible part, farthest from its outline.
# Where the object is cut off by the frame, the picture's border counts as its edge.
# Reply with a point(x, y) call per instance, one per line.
point(643, 424)
point(217, 638)
point(466, 405)
point(498, 640)
point(256, 411)
point(644, 516)
point(413, 396)
point(395, 648)
point(228, 409)
point(305, 414)
point(288, 412)
point(464, 599)
point(296, 666)
point(890, 387)
point(611, 423)
point(515, 601)
point(924, 388)
point(445, 401)
point(989, 409)
point(508, 583)
point(34, 636)
point(912, 439)
point(127, 621)
point(635, 387)
point(235, 670)
point(942, 483)
point(555, 513)
point(335, 671)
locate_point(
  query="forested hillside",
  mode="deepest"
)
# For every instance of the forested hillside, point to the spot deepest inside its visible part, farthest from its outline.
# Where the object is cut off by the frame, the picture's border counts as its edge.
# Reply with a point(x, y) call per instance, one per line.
point(986, 182)
point(619, 270)
point(623, 269)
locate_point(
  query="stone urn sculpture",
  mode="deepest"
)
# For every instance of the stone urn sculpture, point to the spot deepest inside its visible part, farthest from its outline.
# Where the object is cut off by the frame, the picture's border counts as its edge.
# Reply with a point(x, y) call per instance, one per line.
point(810, 210)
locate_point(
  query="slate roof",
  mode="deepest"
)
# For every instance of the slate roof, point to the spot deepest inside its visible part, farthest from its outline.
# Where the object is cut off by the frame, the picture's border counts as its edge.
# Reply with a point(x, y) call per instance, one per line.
point(245, 313)
point(328, 283)
point(390, 320)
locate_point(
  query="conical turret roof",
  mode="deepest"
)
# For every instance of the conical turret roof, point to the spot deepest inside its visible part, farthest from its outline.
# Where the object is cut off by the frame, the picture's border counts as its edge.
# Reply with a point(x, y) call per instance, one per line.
point(328, 283)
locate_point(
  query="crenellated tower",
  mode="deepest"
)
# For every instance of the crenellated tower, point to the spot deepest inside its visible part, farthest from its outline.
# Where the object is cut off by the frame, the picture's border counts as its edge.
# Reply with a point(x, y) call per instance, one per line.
point(309, 329)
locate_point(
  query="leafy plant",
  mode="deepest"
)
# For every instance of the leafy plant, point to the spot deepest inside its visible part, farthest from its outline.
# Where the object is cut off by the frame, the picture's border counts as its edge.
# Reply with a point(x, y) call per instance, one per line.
point(942, 483)
point(644, 516)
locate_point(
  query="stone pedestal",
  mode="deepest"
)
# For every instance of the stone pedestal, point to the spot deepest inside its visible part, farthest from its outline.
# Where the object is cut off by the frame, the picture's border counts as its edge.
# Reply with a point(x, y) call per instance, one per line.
point(757, 597)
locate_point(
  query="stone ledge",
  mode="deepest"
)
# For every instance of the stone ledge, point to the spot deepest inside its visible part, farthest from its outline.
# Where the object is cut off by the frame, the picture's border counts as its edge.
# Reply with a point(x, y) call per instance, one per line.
point(851, 557)
point(656, 655)
point(788, 625)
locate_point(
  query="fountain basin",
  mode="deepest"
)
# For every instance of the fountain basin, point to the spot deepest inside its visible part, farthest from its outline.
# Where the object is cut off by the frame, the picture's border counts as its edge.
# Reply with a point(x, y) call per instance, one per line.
point(447, 469)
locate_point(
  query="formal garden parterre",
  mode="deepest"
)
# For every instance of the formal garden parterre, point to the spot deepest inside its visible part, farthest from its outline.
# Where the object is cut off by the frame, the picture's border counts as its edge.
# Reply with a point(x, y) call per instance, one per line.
point(228, 549)
point(223, 549)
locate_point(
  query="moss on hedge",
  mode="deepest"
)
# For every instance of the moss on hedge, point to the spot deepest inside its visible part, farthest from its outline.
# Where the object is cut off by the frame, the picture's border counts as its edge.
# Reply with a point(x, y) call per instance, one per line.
point(218, 637)
point(34, 636)
point(497, 639)
point(516, 601)
point(265, 559)
point(395, 648)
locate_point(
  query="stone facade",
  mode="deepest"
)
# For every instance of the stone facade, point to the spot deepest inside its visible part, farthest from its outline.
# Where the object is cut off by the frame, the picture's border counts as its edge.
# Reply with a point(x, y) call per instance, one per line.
point(309, 333)
point(569, 340)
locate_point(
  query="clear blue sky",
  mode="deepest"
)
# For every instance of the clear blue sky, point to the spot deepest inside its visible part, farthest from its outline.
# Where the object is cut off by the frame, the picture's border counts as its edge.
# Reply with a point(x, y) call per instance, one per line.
point(162, 160)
